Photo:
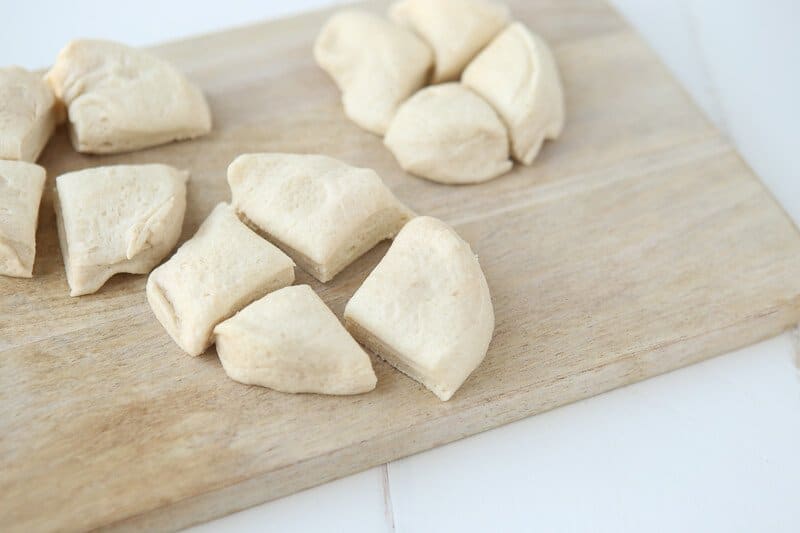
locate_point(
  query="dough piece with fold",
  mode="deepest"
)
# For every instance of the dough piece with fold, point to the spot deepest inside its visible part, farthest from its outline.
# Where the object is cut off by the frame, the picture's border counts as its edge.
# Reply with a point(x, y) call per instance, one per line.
point(375, 63)
point(220, 270)
point(456, 30)
point(290, 341)
point(121, 218)
point(426, 307)
point(449, 134)
point(21, 186)
point(121, 99)
point(29, 112)
point(320, 211)
point(518, 75)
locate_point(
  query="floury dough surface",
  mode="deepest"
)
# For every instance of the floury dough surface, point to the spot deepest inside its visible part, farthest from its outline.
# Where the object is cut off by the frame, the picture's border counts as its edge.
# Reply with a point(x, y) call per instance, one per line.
point(324, 213)
point(121, 218)
point(456, 30)
point(216, 273)
point(517, 74)
point(426, 307)
point(290, 341)
point(449, 134)
point(375, 63)
point(121, 99)
point(29, 112)
point(21, 186)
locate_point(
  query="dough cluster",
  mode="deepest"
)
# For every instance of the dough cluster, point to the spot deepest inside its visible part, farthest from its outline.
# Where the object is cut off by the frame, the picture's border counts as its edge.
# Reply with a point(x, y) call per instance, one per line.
point(508, 101)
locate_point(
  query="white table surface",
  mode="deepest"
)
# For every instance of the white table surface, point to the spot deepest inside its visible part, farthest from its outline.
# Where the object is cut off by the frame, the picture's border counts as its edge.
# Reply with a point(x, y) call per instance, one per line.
point(712, 447)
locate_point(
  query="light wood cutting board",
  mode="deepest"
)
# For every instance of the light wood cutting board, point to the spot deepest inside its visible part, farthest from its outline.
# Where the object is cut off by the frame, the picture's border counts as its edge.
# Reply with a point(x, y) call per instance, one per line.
point(638, 243)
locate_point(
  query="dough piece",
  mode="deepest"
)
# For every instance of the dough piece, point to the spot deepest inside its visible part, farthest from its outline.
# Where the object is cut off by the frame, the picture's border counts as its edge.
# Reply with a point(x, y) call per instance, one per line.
point(291, 342)
point(447, 133)
point(224, 267)
point(455, 29)
point(376, 65)
point(425, 308)
point(121, 99)
point(322, 212)
point(122, 218)
point(517, 74)
point(29, 112)
point(21, 186)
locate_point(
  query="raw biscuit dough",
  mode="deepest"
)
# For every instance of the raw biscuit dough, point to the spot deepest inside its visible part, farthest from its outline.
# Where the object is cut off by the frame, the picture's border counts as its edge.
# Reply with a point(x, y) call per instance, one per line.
point(29, 112)
point(21, 186)
point(290, 341)
point(447, 133)
point(518, 75)
point(426, 308)
point(320, 211)
point(455, 29)
point(121, 99)
point(375, 63)
point(121, 218)
point(220, 270)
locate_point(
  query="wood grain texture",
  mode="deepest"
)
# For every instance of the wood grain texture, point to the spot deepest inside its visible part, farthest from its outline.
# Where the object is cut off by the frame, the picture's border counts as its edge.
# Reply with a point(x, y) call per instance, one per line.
point(638, 243)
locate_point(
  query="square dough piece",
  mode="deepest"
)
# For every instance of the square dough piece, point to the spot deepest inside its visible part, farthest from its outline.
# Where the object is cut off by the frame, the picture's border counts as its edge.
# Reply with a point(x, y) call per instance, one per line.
point(21, 186)
point(121, 218)
point(29, 112)
point(290, 341)
point(426, 307)
point(322, 212)
point(220, 270)
point(121, 99)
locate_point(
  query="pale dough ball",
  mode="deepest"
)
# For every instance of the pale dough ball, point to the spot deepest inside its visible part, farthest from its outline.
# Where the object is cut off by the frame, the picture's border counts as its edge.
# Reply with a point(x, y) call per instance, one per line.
point(21, 186)
point(121, 99)
point(447, 133)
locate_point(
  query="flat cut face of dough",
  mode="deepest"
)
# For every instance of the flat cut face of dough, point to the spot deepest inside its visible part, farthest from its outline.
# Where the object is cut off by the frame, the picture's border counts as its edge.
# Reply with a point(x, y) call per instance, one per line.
point(290, 341)
point(121, 99)
point(122, 218)
point(447, 133)
point(456, 30)
point(518, 75)
point(322, 212)
point(29, 112)
point(426, 307)
point(21, 186)
point(375, 63)
point(220, 270)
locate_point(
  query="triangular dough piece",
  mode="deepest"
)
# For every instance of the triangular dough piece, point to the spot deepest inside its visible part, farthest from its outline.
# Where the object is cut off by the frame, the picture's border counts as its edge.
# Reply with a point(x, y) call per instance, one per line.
point(21, 186)
point(449, 134)
point(518, 75)
point(29, 112)
point(320, 211)
point(375, 63)
point(290, 341)
point(224, 267)
point(122, 218)
point(426, 308)
point(121, 99)
point(455, 29)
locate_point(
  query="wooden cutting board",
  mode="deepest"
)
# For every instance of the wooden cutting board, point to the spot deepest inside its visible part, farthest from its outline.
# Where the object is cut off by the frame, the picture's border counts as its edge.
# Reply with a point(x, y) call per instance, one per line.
point(638, 243)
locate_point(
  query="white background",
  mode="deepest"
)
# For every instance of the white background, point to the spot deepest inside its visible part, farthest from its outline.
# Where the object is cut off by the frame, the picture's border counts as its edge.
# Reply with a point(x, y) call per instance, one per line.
point(713, 447)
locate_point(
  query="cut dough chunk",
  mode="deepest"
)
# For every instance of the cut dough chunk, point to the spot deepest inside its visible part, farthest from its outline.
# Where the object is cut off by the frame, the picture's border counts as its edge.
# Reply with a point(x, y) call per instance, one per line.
point(29, 112)
point(121, 99)
point(224, 267)
point(376, 65)
point(21, 186)
point(517, 74)
point(447, 133)
point(426, 308)
point(320, 211)
point(455, 29)
point(291, 342)
point(113, 219)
